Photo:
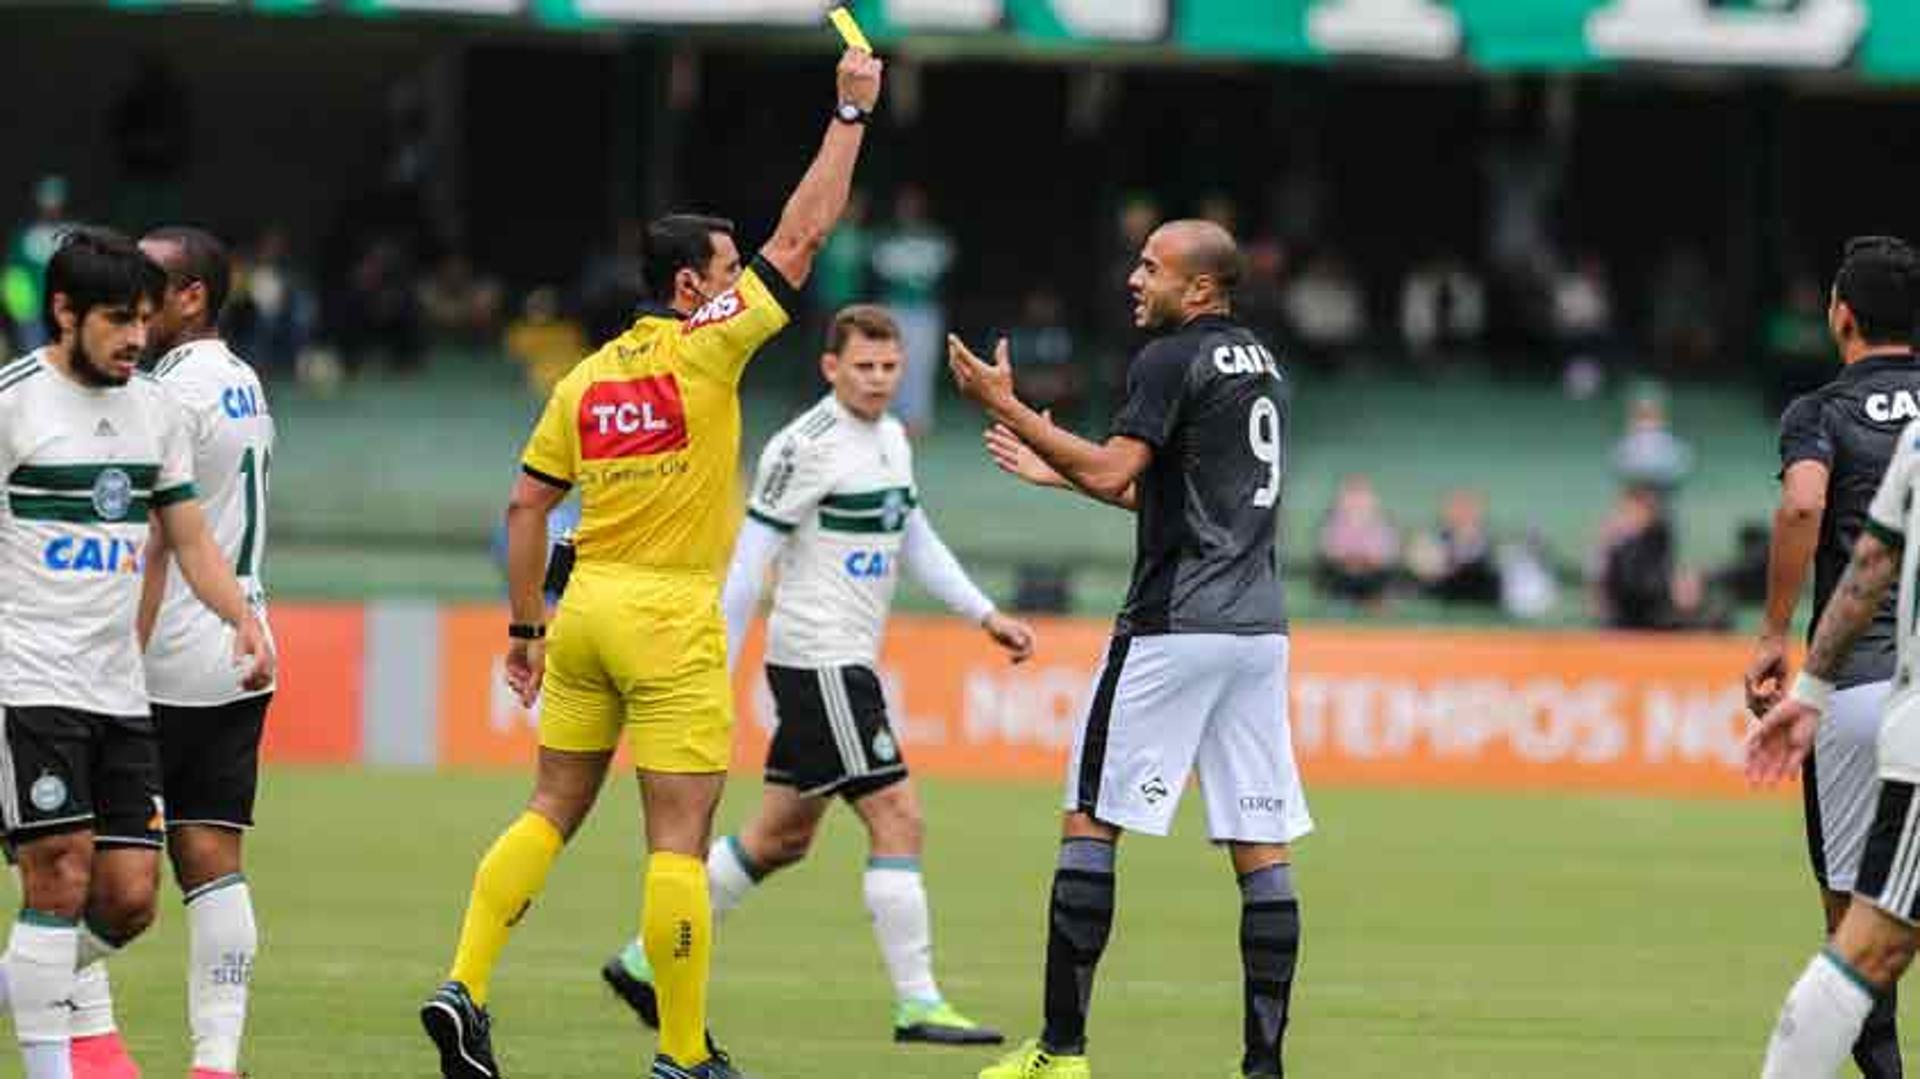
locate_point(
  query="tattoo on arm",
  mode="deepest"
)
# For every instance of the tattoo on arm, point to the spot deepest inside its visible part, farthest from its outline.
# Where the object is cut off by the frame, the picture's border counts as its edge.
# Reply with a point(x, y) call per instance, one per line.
point(1857, 599)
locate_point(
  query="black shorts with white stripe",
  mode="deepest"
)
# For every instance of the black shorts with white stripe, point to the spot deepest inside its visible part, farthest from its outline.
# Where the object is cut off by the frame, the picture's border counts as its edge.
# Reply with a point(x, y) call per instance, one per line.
point(65, 770)
point(834, 736)
point(1890, 866)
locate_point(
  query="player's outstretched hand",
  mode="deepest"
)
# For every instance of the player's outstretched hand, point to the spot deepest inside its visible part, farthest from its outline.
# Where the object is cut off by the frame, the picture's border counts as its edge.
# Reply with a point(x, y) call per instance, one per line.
point(989, 385)
point(252, 653)
point(1011, 634)
point(858, 78)
point(526, 666)
point(1016, 457)
point(1780, 744)
point(1766, 678)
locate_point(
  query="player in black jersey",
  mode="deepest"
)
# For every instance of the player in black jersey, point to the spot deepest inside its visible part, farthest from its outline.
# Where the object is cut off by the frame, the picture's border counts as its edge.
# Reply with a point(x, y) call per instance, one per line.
point(1835, 444)
point(1195, 677)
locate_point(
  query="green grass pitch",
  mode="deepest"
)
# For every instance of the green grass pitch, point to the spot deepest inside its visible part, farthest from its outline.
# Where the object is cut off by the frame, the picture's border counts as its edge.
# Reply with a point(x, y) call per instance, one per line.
point(1445, 935)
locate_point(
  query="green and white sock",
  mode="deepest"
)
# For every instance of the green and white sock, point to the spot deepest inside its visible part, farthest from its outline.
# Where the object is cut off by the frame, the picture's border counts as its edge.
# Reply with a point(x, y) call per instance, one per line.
point(897, 901)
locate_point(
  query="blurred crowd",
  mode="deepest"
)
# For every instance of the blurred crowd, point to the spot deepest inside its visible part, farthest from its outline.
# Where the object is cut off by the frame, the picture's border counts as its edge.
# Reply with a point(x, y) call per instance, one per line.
point(1632, 575)
point(385, 291)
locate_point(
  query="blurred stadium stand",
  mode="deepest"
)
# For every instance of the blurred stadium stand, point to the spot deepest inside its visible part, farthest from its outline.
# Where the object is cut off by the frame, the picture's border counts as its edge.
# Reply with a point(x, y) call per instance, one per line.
point(1475, 225)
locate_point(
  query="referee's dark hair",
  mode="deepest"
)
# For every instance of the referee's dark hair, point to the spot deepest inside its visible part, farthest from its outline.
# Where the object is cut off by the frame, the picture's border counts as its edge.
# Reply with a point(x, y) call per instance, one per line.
point(678, 242)
point(98, 267)
point(1879, 281)
point(203, 258)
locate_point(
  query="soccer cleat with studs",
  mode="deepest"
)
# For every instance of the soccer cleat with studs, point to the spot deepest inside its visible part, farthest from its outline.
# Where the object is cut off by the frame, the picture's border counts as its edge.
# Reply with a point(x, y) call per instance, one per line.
point(1030, 1061)
point(462, 1031)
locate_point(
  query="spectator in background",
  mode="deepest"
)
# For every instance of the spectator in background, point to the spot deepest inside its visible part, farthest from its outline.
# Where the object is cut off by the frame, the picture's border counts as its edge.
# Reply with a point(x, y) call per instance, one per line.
point(1261, 300)
point(459, 306)
point(1455, 562)
point(613, 283)
point(1633, 572)
point(1684, 302)
point(1138, 217)
point(840, 271)
point(274, 307)
point(1327, 308)
point(1046, 374)
point(1798, 344)
point(546, 342)
point(1358, 547)
point(1582, 313)
point(378, 313)
point(26, 265)
point(1220, 209)
point(1650, 455)
point(1638, 584)
point(911, 258)
point(1443, 310)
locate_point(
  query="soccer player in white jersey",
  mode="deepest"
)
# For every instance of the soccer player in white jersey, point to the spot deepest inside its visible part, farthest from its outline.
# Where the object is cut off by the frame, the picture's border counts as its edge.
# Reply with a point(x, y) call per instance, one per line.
point(1877, 936)
point(835, 506)
point(208, 720)
point(95, 459)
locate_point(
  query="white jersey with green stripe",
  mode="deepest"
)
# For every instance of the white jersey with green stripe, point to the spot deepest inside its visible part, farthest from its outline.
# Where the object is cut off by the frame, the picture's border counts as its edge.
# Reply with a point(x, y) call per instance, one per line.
point(190, 659)
point(83, 466)
point(841, 487)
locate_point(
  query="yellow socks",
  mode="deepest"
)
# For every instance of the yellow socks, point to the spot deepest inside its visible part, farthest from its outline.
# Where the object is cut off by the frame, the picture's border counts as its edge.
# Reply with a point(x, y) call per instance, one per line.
point(677, 929)
point(511, 874)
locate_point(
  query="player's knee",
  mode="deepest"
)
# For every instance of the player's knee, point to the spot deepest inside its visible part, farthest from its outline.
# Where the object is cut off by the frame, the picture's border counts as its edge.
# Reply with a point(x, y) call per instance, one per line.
point(124, 911)
point(899, 830)
point(1886, 957)
point(787, 846)
point(55, 873)
point(564, 810)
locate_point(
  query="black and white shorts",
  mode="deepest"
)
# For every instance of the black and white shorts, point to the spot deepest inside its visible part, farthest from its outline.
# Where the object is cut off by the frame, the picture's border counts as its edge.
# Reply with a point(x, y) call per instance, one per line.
point(210, 760)
point(64, 770)
point(1840, 781)
point(1170, 705)
point(833, 736)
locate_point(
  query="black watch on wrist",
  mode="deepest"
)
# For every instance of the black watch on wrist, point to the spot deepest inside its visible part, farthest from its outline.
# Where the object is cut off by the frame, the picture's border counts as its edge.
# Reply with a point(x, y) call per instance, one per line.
point(848, 113)
point(526, 631)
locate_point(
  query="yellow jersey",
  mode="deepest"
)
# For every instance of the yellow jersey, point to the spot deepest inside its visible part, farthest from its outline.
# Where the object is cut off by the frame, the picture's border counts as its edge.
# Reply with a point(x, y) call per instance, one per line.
point(648, 428)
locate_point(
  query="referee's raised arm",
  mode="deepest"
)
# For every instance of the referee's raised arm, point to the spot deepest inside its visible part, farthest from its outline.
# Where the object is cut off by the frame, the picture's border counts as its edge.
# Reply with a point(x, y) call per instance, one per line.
point(817, 202)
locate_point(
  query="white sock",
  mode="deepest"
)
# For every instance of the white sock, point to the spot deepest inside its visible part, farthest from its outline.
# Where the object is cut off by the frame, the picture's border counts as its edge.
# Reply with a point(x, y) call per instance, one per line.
point(897, 900)
point(40, 958)
point(92, 998)
point(1819, 1022)
point(222, 941)
point(729, 876)
point(92, 993)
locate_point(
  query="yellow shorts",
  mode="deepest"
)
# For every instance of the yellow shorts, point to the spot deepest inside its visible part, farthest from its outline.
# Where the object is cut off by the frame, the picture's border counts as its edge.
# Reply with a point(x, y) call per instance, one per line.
point(644, 652)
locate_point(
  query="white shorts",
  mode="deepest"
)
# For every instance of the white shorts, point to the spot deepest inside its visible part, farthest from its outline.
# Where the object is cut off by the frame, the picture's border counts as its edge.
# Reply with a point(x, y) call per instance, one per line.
point(1841, 781)
point(1166, 705)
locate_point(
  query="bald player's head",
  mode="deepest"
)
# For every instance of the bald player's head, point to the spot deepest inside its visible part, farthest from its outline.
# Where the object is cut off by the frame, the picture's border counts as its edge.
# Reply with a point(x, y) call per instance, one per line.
point(1187, 268)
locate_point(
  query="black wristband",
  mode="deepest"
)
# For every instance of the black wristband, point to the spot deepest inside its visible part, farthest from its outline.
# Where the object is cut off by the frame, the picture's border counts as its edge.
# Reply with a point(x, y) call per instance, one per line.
point(526, 631)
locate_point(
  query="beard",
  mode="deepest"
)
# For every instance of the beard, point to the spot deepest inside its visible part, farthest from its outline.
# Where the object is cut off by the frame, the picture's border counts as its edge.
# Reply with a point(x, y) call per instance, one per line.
point(92, 373)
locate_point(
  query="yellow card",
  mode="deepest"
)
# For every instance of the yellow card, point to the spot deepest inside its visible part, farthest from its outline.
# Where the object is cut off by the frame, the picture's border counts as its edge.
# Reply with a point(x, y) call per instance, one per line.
point(843, 21)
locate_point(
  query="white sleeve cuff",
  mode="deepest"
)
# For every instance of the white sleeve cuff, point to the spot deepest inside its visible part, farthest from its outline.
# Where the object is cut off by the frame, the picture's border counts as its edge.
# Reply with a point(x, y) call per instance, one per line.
point(935, 569)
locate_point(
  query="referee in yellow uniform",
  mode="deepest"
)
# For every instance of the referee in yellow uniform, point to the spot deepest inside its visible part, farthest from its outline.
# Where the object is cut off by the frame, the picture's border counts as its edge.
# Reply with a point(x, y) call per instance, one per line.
point(649, 429)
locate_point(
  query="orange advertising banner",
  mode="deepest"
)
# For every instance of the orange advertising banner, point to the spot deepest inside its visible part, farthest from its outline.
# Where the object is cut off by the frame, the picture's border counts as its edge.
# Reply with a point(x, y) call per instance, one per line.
point(1468, 709)
point(315, 718)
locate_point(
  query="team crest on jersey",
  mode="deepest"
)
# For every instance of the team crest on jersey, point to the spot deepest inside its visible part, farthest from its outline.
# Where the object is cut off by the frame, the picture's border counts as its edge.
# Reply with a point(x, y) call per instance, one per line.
point(632, 418)
point(48, 793)
point(893, 510)
point(727, 305)
point(112, 494)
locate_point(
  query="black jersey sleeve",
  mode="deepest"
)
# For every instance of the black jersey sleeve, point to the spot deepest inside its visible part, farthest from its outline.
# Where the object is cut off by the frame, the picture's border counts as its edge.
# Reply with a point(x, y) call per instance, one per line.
point(1156, 383)
point(1803, 433)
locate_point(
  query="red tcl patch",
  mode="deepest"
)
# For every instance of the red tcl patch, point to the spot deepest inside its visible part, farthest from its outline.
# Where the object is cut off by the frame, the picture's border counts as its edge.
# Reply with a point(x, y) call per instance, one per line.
point(636, 418)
